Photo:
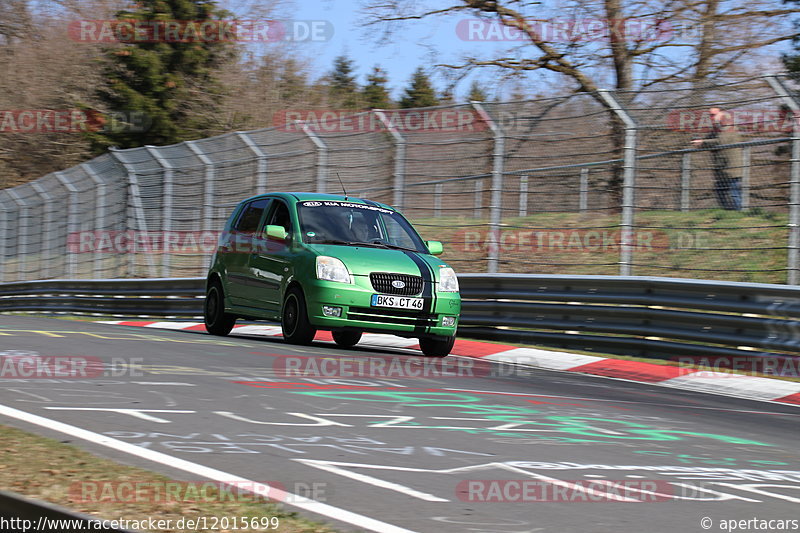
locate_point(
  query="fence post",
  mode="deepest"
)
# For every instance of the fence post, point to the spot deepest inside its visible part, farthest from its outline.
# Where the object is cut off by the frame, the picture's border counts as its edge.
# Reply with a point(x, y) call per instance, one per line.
point(22, 244)
point(523, 196)
point(322, 156)
point(72, 221)
point(437, 200)
point(746, 157)
point(628, 183)
point(49, 229)
point(478, 193)
point(583, 195)
point(208, 184)
point(138, 213)
point(3, 240)
point(399, 159)
point(792, 263)
point(686, 181)
point(496, 203)
point(261, 161)
point(166, 209)
point(100, 212)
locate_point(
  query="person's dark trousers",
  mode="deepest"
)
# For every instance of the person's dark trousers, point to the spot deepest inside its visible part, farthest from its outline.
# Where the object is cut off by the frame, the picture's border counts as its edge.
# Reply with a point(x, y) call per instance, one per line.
point(728, 191)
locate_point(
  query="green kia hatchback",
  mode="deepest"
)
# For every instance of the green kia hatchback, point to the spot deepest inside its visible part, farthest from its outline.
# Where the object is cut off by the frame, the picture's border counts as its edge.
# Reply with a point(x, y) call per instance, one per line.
point(327, 262)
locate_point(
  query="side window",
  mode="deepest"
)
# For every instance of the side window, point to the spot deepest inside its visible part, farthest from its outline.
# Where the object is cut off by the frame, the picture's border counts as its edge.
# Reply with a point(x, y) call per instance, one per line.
point(251, 216)
point(280, 216)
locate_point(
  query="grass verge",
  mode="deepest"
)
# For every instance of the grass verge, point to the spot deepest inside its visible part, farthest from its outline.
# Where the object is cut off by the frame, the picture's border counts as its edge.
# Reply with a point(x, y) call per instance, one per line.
point(49, 470)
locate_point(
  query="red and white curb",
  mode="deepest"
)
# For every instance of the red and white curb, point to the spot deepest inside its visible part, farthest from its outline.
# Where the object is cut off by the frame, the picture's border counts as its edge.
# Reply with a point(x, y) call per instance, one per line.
point(739, 385)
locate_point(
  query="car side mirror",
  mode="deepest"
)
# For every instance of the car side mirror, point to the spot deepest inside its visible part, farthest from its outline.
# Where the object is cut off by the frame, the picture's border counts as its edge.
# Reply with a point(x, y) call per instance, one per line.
point(275, 232)
point(434, 247)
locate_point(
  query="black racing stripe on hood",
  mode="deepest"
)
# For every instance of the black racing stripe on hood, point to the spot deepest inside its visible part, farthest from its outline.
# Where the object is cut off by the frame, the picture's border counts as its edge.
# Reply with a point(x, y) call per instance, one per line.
point(428, 293)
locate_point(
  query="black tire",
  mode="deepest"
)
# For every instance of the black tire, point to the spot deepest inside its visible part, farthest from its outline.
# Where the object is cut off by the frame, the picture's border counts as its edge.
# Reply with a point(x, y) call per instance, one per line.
point(436, 348)
point(218, 322)
point(294, 319)
point(346, 339)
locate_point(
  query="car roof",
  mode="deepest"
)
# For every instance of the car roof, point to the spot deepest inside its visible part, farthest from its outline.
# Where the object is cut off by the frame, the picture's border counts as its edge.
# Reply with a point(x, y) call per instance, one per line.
point(294, 197)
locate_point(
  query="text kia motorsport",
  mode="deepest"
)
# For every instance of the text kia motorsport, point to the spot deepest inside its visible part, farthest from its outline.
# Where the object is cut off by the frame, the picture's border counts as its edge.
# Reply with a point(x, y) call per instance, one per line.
point(319, 261)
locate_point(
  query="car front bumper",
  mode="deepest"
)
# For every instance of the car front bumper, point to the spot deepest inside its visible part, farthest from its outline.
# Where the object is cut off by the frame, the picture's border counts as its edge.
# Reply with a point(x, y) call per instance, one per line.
point(357, 311)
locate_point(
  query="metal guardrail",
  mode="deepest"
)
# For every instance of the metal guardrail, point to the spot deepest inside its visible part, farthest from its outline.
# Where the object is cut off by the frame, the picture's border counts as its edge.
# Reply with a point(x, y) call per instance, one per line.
point(25, 514)
point(644, 316)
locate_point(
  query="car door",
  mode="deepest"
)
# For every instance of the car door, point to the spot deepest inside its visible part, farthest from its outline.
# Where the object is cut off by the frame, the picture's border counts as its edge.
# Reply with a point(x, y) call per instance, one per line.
point(237, 248)
point(271, 259)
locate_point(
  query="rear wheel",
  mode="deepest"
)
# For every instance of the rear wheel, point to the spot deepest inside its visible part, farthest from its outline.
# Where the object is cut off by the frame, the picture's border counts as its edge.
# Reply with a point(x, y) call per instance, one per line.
point(346, 339)
point(217, 321)
point(436, 348)
point(294, 319)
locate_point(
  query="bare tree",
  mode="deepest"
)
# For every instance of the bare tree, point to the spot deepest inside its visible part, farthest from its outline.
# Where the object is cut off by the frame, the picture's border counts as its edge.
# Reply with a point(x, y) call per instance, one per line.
point(627, 45)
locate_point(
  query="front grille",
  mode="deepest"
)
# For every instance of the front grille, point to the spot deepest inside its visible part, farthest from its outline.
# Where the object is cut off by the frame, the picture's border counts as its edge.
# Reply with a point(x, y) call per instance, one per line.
point(382, 282)
point(392, 316)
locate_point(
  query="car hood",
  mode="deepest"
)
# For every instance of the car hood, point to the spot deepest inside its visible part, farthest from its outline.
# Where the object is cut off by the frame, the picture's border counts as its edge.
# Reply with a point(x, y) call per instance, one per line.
point(361, 260)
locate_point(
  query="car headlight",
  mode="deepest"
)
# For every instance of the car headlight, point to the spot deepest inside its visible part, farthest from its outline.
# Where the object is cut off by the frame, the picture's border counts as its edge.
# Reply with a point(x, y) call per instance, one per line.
point(332, 269)
point(448, 282)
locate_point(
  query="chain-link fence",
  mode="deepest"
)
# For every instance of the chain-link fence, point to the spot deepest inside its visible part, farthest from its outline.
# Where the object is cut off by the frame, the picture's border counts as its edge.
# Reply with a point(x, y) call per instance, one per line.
point(606, 183)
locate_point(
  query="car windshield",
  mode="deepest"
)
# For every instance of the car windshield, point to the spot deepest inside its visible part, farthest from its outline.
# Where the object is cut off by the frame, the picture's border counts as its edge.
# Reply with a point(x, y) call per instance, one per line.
point(347, 223)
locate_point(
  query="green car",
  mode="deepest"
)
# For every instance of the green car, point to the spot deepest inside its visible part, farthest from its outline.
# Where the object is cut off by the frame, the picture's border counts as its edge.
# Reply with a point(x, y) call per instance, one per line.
point(328, 262)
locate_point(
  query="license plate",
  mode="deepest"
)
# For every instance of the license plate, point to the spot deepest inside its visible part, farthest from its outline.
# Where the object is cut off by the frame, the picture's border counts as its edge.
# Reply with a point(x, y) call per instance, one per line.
point(397, 302)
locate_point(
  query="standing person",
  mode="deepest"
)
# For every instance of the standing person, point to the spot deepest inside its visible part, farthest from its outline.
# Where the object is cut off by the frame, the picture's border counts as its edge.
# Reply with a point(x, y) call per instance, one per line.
point(727, 162)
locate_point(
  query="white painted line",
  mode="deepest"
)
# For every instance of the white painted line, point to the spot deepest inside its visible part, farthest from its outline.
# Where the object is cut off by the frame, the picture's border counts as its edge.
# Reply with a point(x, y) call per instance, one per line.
point(543, 358)
point(171, 325)
point(208, 473)
point(258, 330)
point(177, 383)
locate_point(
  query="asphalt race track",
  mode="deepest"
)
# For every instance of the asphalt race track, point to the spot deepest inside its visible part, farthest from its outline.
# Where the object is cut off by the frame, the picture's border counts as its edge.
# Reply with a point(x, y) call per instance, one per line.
point(494, 449)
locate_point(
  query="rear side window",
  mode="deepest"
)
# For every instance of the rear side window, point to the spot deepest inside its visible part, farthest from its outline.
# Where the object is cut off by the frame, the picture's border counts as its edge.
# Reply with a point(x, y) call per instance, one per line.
point(251, 216)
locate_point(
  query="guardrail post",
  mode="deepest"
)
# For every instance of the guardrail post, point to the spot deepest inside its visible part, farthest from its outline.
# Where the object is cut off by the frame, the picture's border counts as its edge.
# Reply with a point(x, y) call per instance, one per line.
point(792, 263)
point(399, 159)
point(523, 196)
point(261, 161)
point(166, 208)
point(208, 184)
point(746, 157)
point(49, 227)
point(100, 213)
point(136, 206)
point(496, 203)
point(686, 181)
point(73, 224)
point(628, 183)
point(583, 195)
point(22, 244)
point(322, 156)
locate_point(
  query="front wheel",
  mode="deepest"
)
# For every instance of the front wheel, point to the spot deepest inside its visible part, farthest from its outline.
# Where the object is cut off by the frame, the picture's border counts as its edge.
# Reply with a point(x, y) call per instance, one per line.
point(217, 321)
point(436, 348)
point(294, 319)
point(346, 339)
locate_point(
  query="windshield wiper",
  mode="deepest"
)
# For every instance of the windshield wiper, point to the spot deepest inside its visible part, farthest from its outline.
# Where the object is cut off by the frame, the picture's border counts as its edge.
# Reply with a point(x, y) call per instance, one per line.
point(348, 243)
point(398, 247)
point(376, 243)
